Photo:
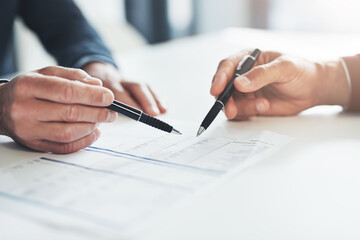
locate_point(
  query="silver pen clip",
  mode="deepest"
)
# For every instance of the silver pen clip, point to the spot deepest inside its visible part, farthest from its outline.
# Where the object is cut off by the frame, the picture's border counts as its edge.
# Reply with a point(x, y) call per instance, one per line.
point(241, 62)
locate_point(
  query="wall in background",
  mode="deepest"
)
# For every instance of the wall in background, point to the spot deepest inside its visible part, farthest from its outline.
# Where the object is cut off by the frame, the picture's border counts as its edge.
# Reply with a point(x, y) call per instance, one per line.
point(214, 15)
point(108, 17)
point(209, 15)
point(161, 20)
point(188, 17)
point(337, 16)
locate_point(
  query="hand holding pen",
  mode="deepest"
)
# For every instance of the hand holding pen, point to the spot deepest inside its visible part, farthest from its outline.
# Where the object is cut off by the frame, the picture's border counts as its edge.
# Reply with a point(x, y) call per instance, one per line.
point(245, 65)
point(281, 85)
point(46, 111)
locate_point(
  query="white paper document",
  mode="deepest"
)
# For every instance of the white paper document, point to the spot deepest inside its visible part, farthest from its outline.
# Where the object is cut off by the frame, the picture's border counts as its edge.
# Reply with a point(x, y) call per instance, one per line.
point(131, 175)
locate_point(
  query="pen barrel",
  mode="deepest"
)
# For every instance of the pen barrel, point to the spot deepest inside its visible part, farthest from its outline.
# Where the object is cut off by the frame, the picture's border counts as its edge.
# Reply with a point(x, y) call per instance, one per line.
point(245, 65)
point(125, 110)
point(156, 123)
point(214, 111)
point(228, 91)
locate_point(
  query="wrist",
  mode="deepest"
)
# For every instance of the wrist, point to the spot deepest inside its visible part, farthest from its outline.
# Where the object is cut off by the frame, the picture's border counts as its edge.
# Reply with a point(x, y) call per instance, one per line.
point(334, 86)
point(82, 62)
point(94, 64)
point(106, 72)
point(2, 108)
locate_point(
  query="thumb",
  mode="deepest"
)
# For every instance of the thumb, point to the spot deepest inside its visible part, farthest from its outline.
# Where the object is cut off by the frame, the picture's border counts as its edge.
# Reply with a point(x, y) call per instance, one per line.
point(276, 71)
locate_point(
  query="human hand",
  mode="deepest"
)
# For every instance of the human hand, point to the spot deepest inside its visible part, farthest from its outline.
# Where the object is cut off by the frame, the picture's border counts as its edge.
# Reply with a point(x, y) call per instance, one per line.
point(131, 93)
point(280, 85)
point(54, 109)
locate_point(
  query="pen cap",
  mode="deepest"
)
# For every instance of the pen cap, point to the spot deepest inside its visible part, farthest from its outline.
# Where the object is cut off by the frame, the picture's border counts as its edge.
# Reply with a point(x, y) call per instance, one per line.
point(255, 53)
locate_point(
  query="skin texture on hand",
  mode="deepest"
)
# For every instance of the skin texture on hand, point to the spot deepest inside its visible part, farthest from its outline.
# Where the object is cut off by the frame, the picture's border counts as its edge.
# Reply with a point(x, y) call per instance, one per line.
point(131, 93)
point(54, 109)
point(280, 85)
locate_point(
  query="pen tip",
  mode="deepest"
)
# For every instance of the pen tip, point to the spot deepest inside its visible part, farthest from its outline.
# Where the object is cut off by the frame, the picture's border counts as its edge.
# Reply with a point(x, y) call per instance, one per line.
point(200, 131)
point(176, 131)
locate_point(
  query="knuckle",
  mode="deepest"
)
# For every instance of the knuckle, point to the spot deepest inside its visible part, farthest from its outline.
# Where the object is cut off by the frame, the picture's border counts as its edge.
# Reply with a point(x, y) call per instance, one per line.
point(102, 116)
point(71, 113)
point(79, 74)
point(68, 148)
point(259, 72)
point(23, 82)
point(67, 135)
point(22, 77)
point(49, 70)
point(95, 96)
point(63, 148)
point(287, 63)
point(262, 70)
point(68, 93)
point(226, 63)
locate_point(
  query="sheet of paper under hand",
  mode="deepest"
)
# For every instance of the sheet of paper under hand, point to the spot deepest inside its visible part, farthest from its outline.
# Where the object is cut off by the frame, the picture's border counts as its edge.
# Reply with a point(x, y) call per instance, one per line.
point(114, 187)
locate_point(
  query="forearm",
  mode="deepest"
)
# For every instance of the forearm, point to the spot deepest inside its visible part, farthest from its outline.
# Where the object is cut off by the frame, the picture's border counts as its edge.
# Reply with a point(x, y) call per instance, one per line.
point(2, 108)
point(334, 87)
point(353, 68)
point(64, 31)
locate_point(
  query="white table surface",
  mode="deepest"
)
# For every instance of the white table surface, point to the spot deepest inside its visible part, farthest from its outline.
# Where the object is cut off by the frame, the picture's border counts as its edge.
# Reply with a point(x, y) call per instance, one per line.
point(310, 189)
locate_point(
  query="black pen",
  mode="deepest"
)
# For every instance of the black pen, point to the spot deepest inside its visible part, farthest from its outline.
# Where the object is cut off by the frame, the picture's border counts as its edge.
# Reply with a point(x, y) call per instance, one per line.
point(244, 66)
point(140, 116)
point(135, 114)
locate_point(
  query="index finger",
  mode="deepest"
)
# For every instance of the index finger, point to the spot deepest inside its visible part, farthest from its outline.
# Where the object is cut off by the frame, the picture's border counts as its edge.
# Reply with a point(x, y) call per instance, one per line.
point(225, 71)
point(227, 68)
point(70, 73)
point(61, 90)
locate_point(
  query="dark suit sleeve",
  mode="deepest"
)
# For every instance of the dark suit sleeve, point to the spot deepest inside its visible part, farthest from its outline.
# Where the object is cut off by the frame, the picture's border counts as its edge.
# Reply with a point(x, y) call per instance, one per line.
point(64, 31)
point(353, 65)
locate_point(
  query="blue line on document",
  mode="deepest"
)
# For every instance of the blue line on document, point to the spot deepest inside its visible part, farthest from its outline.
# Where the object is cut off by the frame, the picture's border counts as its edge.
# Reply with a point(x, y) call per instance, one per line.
point(62, 210)
point(152, 160)
point(146, 180)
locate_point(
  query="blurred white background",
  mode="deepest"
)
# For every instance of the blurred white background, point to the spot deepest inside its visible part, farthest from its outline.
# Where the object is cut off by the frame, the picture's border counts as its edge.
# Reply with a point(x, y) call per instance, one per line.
point(109, 18)
point(336, 16)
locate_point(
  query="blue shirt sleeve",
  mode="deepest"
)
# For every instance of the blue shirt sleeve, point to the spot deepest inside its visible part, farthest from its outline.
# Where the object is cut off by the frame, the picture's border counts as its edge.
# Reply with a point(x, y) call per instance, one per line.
point(64, 32)
point(93, 58)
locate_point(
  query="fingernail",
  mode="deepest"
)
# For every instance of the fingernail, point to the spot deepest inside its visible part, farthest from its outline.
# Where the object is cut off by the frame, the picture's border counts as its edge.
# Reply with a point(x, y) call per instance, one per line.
point(223, 76)
point(111, 116)
point(164, 105)
point(106, 98)
point(243, 81)
point(97, 80)
point(97, 135)
point(260, 107)
point(155, 110)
